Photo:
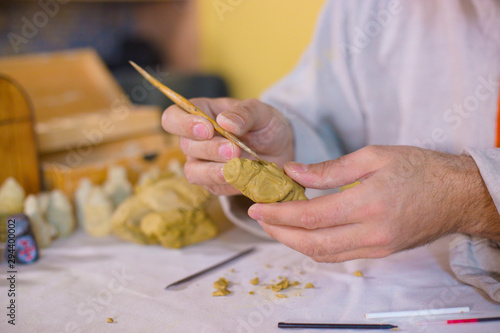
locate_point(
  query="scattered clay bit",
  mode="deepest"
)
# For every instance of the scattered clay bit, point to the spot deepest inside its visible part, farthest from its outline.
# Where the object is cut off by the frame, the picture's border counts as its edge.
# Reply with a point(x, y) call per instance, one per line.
point(280, 295)
point(279, 277)
point(232, 270)
point(221, 286)
point(301, 272)
point(267, 287)
point(221, 283)
point(255, 281)
point(283, 284)
point(309, 285)
point(272, 280)
point(221, 292)
point(109, 320)
point(268, 266)
point(285, 267)
point(295, 283)
point(358, 273)
point(251, 292)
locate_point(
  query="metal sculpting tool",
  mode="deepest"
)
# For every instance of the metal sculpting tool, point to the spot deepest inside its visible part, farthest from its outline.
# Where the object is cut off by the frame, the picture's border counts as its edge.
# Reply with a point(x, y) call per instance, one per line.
point(339, 326)
point(211, 268)
point(189, 107)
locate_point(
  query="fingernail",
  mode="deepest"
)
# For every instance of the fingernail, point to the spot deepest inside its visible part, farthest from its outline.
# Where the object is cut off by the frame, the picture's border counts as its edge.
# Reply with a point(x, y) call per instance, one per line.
point(226, 151)
point(297, 167)
point(201, 131)
point(254, 213)
point(234, 119)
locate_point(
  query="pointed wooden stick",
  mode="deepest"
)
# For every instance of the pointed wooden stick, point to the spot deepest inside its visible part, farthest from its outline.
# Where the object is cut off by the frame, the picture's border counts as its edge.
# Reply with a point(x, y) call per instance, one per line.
point(189, 107)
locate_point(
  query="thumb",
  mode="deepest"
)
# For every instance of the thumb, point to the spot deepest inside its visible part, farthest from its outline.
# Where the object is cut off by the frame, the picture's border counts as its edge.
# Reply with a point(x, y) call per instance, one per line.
point(331, 174)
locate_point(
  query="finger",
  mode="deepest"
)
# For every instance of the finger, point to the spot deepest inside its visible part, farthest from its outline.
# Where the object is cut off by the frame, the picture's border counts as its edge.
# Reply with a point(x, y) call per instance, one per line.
point(318, 243)
point(248, 115)
point(321, 212)
point(200, 172)
point(177, 121)
point(218, 149)
point(335, 173)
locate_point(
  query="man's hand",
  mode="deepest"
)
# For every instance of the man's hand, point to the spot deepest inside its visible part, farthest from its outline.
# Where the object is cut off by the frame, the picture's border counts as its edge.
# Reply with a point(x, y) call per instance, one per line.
point(260, 126)
point(407, 197)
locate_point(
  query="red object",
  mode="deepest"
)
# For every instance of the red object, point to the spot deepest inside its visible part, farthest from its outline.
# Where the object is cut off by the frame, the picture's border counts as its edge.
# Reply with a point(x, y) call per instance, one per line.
point(460, 321)
point(498, 122)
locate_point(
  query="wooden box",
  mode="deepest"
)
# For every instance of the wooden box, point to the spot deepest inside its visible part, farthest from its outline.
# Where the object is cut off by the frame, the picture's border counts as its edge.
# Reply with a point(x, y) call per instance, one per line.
point(83, 120)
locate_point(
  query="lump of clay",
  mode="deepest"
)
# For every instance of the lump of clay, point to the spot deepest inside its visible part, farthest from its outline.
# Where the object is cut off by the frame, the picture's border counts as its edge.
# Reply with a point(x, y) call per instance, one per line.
point(44, 232)
point(262, 183)
point(81, 196)
point(11, 202)
point(97, 213)
point(117, 186)
point(60, 214)
point(169, 211)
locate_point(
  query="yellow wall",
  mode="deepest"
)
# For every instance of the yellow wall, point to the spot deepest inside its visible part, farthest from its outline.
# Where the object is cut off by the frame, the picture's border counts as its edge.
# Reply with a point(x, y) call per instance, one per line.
point(253, 43)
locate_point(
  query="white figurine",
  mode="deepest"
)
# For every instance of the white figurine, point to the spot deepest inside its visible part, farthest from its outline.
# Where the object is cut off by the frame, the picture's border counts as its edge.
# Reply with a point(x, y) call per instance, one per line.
point(11, 197)
point(43, 231)
point(117, 187)
point(60, 213)
point(81, 196)
point(97, 213)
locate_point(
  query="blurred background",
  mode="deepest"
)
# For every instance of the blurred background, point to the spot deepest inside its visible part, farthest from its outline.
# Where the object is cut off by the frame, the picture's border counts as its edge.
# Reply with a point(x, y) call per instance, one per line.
point(65, 78)
point(249, 44)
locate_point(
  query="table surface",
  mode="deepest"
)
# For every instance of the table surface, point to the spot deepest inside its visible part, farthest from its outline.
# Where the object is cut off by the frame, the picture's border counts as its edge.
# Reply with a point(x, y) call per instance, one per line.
point(80, 281)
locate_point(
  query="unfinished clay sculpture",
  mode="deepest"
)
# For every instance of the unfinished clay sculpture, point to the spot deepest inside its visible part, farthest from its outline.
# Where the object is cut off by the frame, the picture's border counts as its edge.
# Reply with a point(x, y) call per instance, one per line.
point(167, 211)
point(97, 213)
point(11, 202)
point(60, 213)
point(117, 187)
point(44, 231)
point(262, 183)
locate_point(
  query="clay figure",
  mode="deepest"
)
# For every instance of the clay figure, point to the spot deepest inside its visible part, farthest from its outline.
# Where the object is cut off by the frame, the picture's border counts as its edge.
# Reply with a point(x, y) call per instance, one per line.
point(262, 183)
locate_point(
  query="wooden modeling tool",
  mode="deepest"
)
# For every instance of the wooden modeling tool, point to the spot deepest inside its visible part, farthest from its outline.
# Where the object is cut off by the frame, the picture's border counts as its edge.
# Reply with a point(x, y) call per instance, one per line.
point(189, 107)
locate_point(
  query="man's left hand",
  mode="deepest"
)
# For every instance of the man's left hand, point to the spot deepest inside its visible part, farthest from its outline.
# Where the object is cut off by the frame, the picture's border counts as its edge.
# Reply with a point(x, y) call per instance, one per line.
point(407, 197)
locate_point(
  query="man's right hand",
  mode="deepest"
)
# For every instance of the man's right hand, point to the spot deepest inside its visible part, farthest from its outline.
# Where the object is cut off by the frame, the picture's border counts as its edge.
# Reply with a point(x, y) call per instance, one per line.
point(263, 128)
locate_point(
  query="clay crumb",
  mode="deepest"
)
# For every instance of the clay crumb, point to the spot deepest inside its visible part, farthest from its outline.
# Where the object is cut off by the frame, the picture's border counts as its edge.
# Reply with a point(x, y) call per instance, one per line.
point(109, 320)
point(221, 286)
point(221, 292)
point(221, 283)
point(309, 286)
point(285, 267)
point(280, 295)
point(295, 283)
point(255, 281)
point(301, 272)
point(279, 277)
point(283, 284)
point(232, 270)
point(268, 266)
point(251, 292)
point(358, 273)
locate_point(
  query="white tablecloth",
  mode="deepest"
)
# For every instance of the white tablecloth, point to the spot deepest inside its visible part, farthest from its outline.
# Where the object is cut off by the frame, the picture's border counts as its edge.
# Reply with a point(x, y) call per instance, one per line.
point(80, 281)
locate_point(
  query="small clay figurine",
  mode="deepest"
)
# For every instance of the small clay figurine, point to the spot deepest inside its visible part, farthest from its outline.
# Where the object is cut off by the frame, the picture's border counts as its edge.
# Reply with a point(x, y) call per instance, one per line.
point(262, 183)
point(43, 231)
point(11, 202)
point(60, 213)
point(97, 213)
point(117, 186)
point(81, 196)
